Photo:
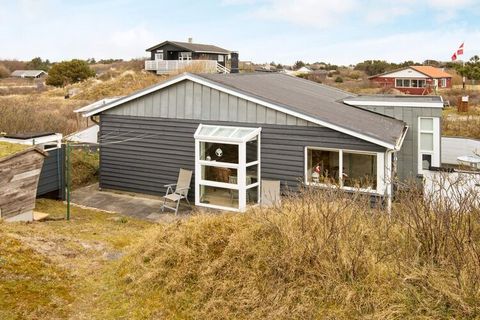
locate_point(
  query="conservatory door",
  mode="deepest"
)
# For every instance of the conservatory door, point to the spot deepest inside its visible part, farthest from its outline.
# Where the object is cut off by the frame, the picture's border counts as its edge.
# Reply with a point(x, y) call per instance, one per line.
point(227, 167)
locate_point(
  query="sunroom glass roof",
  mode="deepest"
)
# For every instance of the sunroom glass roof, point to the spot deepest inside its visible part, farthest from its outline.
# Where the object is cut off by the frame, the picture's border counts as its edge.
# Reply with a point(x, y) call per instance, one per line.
point(226, 133)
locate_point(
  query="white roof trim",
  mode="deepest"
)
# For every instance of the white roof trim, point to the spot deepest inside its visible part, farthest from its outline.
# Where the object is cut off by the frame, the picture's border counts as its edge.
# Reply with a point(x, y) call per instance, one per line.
point(211, 137)
point(394, 104)
point(221, 88)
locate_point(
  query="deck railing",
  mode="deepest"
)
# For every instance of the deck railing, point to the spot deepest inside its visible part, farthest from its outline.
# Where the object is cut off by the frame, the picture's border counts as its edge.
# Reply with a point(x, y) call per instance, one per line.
point(170, 66)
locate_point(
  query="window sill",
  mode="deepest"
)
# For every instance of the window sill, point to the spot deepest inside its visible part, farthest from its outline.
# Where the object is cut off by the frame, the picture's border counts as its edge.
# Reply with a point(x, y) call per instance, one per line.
point(352, 189)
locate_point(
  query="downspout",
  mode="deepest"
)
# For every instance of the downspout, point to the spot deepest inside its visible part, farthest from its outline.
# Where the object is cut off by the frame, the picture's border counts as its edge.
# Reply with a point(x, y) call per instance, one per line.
point(391, 166)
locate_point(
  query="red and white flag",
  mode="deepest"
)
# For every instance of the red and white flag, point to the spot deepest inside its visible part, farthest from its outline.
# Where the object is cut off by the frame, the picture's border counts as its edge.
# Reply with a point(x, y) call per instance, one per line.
point(454, 56)
point(460, 49)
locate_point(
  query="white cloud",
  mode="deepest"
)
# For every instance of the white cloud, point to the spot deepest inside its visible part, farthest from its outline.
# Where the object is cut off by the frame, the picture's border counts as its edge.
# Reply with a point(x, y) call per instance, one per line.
point(313, 13)
point(449, 4)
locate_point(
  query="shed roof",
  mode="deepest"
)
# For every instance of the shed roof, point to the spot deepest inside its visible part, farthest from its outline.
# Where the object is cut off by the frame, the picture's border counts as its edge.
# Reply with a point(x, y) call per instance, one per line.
point(301, 98)
point(194, 47)
point(27, 73)
point(396, 101)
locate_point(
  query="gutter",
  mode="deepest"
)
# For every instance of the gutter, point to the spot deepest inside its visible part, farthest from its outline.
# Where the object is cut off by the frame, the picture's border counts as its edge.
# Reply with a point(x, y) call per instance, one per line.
point(399, 143)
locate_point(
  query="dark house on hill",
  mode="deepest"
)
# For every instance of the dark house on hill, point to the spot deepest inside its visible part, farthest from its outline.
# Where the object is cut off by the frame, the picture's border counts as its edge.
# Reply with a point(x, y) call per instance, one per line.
point(172, 56)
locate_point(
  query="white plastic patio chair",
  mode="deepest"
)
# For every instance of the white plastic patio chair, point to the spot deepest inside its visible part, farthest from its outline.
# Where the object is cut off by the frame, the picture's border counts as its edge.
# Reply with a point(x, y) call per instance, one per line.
point(181, 190)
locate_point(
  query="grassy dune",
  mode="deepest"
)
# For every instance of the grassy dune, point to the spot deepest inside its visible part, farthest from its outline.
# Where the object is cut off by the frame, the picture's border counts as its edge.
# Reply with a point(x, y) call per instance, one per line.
point(318, 257)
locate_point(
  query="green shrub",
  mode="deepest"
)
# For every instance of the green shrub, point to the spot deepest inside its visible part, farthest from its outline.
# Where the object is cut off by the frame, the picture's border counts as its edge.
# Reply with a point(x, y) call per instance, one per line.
point(339, 79)
point(68, 72)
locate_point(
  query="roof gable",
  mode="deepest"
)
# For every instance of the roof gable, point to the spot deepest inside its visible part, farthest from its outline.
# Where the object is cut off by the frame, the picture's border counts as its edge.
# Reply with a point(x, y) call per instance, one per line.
point(293, 96)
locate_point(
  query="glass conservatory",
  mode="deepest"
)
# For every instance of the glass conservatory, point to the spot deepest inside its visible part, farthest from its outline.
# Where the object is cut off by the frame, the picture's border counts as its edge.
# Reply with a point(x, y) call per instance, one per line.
point(227, 167)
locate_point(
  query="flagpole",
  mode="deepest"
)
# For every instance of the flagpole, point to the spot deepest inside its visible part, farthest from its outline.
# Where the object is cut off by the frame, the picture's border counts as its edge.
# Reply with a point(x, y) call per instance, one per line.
point(463, 65)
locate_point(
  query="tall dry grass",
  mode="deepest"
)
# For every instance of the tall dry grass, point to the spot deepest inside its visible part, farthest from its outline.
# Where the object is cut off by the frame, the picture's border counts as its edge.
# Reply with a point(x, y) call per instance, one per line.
point(39, 113)
point(324, 254)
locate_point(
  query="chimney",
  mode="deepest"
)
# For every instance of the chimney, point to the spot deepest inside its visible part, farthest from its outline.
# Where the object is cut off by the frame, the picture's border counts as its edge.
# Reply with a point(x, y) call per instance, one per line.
point(190, 40)
point(234, 62)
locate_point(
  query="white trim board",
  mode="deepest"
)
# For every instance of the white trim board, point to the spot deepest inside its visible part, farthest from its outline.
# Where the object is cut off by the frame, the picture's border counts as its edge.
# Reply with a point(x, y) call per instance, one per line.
point(394, 104)
point(187, 76)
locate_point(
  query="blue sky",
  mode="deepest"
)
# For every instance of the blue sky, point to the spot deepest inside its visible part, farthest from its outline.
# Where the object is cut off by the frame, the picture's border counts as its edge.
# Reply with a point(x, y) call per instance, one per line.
point(336, 31)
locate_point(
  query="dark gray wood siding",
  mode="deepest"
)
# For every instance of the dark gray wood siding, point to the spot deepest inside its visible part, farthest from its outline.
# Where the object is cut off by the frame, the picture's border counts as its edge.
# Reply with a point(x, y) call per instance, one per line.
point(52, 176)
point(141, 154)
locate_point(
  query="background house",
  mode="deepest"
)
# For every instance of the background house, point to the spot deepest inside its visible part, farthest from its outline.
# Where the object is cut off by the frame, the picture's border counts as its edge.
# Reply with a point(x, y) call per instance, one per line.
point(172, 56)
point(33, 74)
point(417, 80)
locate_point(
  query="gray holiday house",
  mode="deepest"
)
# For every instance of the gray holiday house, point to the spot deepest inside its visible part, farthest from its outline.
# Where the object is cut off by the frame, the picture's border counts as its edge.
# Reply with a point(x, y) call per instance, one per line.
point(173, 56)
point(235, 130)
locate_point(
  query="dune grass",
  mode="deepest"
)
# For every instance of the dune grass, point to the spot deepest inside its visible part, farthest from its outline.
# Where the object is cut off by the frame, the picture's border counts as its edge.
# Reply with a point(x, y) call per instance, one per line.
point(7, 148)
point(324, 254)
point(320, 256)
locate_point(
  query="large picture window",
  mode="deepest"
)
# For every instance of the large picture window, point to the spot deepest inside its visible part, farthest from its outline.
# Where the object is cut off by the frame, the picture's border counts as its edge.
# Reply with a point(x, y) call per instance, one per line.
point(347, 169)
point(410, 83)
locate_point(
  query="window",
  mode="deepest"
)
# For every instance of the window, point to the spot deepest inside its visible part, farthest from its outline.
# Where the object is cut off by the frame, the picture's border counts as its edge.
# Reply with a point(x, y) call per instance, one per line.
point(348, 169)
point(221, 58)
point(360, 170)
point(322, 166)
point(443, 82)
point(428, 143)
point(185, 56)
point(159, 56)
point(409, 83)
point(219, 152)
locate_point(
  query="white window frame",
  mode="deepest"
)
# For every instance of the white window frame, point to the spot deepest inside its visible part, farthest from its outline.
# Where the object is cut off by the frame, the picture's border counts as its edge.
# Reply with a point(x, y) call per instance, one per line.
point(159, 55)
point(436, 143)
point(221, 58)
point(241, 167)
point(185, 56)
point(380, 158)
point(410, 80)
point(443, 82)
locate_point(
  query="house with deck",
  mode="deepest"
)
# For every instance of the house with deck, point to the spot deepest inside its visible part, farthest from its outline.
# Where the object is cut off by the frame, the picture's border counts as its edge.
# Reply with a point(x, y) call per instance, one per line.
point(416, 80)
point(175, 56)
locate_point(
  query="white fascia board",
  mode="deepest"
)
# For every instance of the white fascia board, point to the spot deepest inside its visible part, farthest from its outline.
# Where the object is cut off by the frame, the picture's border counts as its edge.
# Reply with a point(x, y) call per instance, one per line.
point(221, 88)
point(394, 104)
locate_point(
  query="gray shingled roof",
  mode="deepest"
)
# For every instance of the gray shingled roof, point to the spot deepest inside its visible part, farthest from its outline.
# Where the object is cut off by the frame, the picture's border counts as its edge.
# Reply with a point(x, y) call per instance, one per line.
point(304, 97)
point(312, 99)
point(27, 73)
point(194, 47)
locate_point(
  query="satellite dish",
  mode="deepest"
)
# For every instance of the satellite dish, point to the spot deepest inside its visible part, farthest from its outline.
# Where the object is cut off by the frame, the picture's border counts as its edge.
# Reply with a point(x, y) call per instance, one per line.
point(219, 152)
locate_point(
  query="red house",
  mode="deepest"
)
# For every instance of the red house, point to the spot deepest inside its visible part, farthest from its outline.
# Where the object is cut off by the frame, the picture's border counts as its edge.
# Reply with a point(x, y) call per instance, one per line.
point(417, 80)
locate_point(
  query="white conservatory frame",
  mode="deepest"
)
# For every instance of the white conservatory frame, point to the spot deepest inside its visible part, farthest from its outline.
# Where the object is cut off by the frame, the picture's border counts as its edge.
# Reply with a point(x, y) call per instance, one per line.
point(236, 136)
